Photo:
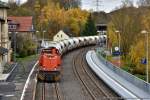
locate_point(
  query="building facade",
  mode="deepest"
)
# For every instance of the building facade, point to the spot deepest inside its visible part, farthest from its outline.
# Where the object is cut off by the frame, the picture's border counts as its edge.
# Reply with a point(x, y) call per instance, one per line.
point(60, 36)
point(21, 25)
point(5, 50)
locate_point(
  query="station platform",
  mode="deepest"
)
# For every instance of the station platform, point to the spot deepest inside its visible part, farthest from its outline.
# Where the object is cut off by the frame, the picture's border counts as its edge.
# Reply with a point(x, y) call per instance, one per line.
point(119, 84)
point(4, 76)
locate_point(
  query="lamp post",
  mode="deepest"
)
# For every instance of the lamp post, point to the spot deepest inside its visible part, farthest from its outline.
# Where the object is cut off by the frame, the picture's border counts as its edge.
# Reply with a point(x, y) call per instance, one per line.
point(43, 33)
point(13, 38)
point(146, 38)
point(118, 33)
point(37, 41)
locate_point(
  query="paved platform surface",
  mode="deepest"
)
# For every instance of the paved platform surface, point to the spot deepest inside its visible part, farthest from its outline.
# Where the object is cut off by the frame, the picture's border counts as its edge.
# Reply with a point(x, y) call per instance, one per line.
point(3, 77)
point(12, 88)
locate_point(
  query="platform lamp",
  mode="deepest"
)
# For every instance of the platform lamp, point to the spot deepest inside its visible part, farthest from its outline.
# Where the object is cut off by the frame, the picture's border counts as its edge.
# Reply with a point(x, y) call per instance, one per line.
point(118, 33)
point(146, 46)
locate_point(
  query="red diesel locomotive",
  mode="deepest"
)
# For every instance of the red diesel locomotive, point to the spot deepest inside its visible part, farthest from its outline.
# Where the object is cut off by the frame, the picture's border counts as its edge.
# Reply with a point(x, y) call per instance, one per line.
point(49, 65)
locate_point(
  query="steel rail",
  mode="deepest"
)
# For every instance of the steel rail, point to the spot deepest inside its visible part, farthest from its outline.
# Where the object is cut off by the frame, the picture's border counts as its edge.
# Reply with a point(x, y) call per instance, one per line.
point(43, 91)
point(59, 95)
point(91, 77)
point(79, 61)
point(79, 77)
point(35, 88)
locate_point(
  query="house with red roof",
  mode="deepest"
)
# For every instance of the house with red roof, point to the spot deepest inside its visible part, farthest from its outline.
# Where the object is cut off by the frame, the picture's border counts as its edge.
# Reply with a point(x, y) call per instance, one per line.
point(21, 25)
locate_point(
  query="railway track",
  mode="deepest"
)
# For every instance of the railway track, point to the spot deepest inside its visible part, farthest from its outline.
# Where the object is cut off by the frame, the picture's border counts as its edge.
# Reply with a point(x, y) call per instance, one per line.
point(48, 91)
point(95, 90)
point(91, 86)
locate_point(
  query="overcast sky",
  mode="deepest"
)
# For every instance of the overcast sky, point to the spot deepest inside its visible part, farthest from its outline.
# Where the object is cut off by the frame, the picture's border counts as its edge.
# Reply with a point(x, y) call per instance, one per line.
point(104, 5)
point(15, 0)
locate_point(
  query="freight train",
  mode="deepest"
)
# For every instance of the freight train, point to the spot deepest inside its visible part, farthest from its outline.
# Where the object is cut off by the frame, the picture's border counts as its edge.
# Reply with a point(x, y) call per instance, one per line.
point(50, 57)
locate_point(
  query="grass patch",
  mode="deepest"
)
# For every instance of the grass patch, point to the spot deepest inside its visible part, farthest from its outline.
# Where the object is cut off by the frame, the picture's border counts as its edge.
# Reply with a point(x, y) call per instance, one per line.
point(143, 77)
point(27, 58)
point(126, 68)
point(109, 58)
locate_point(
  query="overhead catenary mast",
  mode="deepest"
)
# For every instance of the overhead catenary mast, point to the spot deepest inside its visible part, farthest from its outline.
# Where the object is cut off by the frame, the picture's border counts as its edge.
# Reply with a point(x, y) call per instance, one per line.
point(11, 1)
point(18, 2)
point(98, 4)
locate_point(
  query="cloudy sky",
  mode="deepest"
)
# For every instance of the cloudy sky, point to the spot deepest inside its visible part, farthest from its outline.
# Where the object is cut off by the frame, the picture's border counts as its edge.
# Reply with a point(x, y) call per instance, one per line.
point(104, 5)
point(14, 0)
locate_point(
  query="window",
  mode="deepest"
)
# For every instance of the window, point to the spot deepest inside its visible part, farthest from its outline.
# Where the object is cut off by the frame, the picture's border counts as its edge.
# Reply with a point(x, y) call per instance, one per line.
point(12, 26)
point(2, 57)
point(9, 27)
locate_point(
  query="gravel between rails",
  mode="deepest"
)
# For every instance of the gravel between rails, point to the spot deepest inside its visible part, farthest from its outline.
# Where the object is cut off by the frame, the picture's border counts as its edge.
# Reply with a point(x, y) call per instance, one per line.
point(48, 91)
point(110, 94)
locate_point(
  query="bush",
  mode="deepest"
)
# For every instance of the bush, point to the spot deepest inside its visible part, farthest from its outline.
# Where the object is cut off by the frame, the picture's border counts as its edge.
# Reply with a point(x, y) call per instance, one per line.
point(23, 53)
point(25, 46)
point(139, 70)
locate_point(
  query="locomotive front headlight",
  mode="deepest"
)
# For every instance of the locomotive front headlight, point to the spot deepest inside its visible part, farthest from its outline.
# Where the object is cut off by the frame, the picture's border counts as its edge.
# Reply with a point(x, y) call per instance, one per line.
point(55, 68)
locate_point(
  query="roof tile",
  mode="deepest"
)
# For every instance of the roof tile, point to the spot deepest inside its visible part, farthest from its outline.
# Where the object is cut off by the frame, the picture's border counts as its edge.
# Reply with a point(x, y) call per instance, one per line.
point(25, 23)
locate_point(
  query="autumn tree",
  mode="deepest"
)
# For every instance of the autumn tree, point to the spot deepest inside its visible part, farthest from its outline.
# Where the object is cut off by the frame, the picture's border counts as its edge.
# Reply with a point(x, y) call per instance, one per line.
point(129, 25)
point(127, 3)
point(54, 18)
point(68, 4)
point(25, 46)
point(137, 53)
point(76, 20)
point(143, 2)
point(113, 38)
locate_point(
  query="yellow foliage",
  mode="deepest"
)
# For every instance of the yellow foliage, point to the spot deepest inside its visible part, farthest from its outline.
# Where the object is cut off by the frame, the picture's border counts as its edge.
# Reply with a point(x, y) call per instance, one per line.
point(76, 19)
point(137, 52)
point(112, 35)
point(54, 19)
point(146, 21)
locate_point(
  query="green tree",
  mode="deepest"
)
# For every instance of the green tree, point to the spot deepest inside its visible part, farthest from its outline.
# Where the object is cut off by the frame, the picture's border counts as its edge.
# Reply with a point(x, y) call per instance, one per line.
point(25, 46)
point(90, 28)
